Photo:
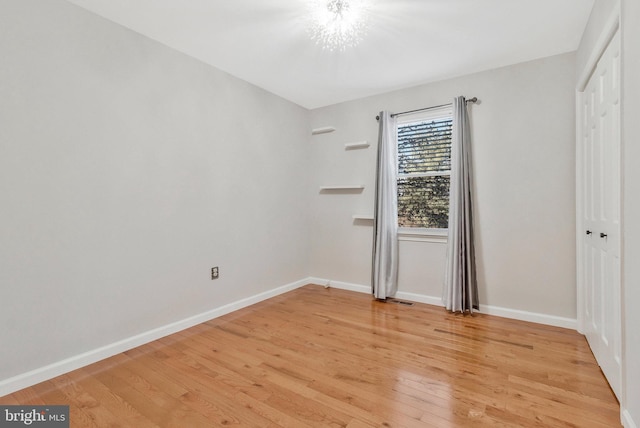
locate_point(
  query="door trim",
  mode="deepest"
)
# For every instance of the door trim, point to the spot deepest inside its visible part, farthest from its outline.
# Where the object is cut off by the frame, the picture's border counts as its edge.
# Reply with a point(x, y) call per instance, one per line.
point(610, 28)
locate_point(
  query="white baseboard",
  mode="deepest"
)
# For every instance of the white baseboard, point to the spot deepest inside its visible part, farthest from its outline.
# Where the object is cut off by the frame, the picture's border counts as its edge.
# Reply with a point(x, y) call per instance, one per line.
point(529, 316)
point(341, 285)
point(627, 420)
point(421, 298)
point(437, 301)
point(16, 383)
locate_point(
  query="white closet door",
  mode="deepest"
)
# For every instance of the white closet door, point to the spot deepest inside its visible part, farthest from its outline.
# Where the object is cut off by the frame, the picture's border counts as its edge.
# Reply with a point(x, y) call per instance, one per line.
point(600, 213)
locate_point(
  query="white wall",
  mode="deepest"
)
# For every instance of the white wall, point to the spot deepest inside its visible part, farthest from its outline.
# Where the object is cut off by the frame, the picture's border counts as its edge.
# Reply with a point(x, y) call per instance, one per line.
point(631, 201)
point(524, 137)
point(128, 170)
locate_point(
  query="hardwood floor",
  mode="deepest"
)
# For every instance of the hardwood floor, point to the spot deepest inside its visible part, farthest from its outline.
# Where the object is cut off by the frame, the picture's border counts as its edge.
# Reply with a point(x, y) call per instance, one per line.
point(319, 357)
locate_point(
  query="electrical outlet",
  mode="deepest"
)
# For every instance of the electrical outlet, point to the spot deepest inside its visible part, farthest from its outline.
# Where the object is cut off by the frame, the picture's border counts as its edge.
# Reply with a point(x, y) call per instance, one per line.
point(214, 273)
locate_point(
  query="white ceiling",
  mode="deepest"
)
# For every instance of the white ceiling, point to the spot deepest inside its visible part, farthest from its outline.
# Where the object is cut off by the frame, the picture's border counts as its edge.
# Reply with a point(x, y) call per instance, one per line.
point(409, 42)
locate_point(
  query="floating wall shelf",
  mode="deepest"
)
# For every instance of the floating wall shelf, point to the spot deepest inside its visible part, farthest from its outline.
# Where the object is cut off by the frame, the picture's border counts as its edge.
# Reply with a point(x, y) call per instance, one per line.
point(347, 187)
point(324, 130)
point(363, 217)
point(358, 145)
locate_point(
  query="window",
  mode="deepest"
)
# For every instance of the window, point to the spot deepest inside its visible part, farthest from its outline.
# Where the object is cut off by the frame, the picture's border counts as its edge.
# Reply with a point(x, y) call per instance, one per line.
point(424, 170)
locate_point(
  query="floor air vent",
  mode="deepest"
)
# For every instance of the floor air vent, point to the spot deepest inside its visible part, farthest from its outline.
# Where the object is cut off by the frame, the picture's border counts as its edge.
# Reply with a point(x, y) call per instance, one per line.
point(400, 302)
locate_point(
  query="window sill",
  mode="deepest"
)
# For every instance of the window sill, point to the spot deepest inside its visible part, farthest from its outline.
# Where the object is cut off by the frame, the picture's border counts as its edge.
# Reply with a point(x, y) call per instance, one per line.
point(423, 235)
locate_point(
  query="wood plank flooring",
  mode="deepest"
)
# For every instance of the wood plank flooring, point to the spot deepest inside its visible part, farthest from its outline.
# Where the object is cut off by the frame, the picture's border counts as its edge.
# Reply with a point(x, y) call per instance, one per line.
point(318, 357)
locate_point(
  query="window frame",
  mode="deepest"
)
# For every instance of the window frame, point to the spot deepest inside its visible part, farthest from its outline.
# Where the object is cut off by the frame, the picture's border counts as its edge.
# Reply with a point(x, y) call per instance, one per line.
point(424, 234)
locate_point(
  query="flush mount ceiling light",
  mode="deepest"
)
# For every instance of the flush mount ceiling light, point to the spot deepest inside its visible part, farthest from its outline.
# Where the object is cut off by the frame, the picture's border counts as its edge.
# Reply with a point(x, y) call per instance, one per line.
point(338, 24)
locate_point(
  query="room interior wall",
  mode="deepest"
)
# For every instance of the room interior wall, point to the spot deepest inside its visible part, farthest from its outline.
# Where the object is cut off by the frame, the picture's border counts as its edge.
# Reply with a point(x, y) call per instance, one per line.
point(524, 162)
point(127, 171)
point(631, 203)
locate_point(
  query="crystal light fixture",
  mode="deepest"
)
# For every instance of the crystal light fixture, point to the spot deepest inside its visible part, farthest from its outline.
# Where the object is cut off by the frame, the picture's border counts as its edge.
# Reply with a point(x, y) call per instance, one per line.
point(338, 24)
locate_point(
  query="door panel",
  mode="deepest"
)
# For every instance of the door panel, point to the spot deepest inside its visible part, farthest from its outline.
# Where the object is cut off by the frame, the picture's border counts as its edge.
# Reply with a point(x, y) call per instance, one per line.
point(600, 213)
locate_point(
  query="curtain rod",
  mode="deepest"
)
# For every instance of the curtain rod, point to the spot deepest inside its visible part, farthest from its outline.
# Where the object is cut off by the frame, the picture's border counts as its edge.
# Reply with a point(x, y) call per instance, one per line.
point(471, 100)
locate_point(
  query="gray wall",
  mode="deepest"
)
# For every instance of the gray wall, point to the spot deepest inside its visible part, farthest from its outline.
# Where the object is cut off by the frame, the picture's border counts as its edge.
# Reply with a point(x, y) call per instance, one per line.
point(524, 160)
point(631, 201)
point(128, 170)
